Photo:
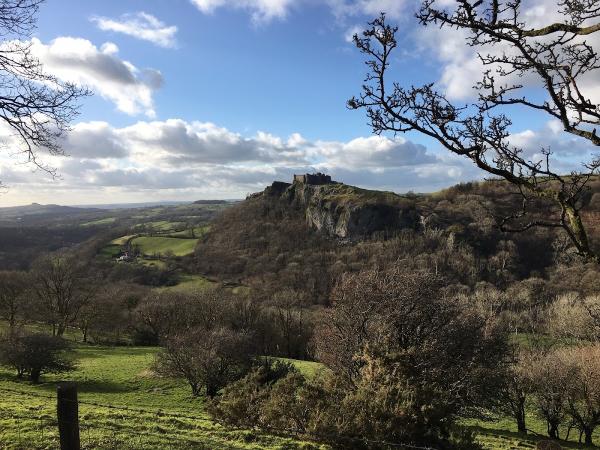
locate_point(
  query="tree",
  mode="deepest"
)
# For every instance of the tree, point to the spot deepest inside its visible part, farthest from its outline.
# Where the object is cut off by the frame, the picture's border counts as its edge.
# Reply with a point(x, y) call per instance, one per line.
point(557, 56)
point(35, 106)
point(291, 323)
point(518, 388)
point(551, 379)
point(583, 388)
point(13, 287)
point(413, 359)
point(207, 359)
point(62, 288)
point(34, 354)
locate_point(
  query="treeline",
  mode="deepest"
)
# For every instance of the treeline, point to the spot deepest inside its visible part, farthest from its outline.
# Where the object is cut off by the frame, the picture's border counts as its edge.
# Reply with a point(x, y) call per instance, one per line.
point(20, 246)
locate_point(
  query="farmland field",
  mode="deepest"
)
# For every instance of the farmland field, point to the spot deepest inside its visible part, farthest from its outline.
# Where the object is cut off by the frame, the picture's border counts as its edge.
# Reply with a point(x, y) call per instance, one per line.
point(190, 283)
point(150, 245)
point(103, 221)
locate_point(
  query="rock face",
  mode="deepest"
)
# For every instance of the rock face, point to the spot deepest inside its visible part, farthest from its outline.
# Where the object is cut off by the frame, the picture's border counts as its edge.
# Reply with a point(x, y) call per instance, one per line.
point(347, 212)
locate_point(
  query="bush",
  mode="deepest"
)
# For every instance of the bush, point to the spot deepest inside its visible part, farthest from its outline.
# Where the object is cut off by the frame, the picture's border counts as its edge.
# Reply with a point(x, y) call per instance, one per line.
point(208, 359)
point(242, 402)
point(34, 354)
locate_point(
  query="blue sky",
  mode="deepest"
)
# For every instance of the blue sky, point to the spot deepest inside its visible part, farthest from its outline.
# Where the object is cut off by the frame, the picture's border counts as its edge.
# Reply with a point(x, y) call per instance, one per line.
point(215, 99)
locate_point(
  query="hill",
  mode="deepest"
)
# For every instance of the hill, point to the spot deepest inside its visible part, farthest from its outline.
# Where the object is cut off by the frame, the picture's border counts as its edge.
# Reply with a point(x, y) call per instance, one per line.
point(303, 235)
point(35, 210)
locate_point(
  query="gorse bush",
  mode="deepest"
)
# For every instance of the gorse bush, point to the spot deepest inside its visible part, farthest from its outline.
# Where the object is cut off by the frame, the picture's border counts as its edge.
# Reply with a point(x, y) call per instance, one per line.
point(406, 362)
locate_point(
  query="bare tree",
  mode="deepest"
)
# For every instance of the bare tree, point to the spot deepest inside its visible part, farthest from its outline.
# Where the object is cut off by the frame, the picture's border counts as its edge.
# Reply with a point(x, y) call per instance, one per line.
point(518, 388)
point(35, 106)
point(208, 359)
point(551, 379)
point(62, 289)
point(13, 286)
point(583, 391)
point(557, 56)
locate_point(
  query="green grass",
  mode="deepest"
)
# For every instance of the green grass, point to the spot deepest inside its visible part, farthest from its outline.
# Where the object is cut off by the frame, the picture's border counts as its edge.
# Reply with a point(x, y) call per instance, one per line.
point(155, 245)
point(190, 284)
point(110, 251)
point(152, 263)
point(309, 369)
point(161, 225)
point(198, 232)
point(122, 240)
point(105, 221)
point(169, 416)
point(121, 377)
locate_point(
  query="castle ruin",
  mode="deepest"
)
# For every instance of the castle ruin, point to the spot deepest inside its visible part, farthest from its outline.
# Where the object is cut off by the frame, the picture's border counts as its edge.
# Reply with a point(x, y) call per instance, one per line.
point(314, 178)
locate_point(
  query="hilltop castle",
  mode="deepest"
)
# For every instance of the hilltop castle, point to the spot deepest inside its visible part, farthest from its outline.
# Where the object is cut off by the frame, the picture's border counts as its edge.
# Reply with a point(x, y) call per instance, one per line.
point(315, 178)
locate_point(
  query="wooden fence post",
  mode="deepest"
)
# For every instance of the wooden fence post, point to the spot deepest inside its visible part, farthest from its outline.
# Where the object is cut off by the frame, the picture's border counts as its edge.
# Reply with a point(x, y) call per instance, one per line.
point(67, 410)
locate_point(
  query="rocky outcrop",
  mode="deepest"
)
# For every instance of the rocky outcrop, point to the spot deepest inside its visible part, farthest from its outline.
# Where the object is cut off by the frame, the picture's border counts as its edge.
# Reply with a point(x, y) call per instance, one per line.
point(347, 212)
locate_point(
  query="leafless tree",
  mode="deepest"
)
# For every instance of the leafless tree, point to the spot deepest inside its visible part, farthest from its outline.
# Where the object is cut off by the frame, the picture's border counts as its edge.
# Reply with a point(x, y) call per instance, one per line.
point(35, 106)
point(583, 389)
point(557, 56)
point(13, 287)
point(62, 288)
point(208, 359)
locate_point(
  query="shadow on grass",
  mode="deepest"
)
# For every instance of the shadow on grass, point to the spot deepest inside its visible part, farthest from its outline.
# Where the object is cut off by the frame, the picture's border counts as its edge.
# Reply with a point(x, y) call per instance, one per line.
point(48, 386)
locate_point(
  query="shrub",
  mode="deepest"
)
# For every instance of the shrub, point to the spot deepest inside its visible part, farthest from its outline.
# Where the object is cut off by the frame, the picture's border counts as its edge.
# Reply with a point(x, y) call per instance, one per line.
point(242, 402)
point(207, 359)
point(34, 354)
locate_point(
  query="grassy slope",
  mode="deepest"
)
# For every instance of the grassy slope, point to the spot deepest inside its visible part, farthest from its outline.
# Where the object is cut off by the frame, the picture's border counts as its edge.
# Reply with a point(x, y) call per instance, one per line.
point(152, 245)
point(120, 376)
point(103, 221)
point(189, 284)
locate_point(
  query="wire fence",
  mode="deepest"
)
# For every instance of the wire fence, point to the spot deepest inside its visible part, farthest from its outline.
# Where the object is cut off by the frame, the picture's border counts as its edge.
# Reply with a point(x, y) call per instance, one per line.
point(103, 425)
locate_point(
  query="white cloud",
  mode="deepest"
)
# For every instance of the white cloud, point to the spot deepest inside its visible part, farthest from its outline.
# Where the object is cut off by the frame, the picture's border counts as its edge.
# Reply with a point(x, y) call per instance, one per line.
point(567, 150)
point(140, 25)
point(353, 30)
point(262, 11)
point(462, 68)
point(79, 61)
point(394, 9)
point(175, 157)
point(178, 159)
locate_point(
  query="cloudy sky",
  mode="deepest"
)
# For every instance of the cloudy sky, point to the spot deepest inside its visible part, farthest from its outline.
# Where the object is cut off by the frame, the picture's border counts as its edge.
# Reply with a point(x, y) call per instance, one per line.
point(217, 98)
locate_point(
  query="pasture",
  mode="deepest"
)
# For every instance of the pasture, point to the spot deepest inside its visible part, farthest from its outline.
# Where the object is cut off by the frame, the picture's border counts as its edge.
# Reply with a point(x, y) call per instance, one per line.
point(122, 405)
point(154, 245)
point(99, 222)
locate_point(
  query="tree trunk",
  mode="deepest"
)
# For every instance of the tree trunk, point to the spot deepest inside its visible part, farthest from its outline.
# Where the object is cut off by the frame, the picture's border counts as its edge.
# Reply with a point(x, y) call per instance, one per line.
point(211, 390)
point(587, 431)
point(521, 425)
point(195, 389)
point(553, 430)
point(60, 330)
point(34, 375)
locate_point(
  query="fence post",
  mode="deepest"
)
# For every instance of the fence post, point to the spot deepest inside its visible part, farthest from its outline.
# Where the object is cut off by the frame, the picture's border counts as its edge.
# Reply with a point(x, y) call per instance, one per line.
point(68, 416)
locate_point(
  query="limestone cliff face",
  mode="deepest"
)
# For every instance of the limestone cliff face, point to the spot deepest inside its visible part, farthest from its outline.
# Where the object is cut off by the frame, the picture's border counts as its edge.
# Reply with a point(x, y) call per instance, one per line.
point(347, 212)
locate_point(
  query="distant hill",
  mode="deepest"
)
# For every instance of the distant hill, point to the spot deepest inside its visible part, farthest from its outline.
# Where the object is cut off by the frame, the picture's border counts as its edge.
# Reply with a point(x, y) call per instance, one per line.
point(212, 202)
point(35, 209)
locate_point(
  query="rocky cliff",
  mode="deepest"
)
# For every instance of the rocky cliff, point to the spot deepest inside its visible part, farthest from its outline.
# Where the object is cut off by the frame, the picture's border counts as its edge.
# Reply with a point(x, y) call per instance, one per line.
point(347, 212)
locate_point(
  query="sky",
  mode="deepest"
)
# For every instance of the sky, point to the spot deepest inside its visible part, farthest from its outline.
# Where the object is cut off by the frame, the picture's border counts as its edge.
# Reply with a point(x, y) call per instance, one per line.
point(213, 99)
